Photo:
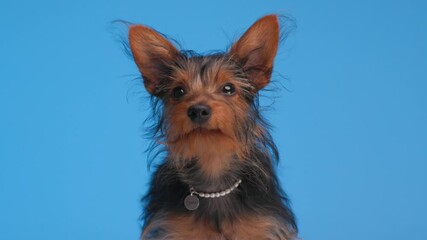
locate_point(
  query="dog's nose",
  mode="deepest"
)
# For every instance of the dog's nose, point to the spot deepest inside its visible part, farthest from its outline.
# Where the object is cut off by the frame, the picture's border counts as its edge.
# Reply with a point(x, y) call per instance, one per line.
point(199, 113)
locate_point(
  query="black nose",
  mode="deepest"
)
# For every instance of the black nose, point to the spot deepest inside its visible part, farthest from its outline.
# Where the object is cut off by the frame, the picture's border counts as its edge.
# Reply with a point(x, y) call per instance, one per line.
point(199, 113)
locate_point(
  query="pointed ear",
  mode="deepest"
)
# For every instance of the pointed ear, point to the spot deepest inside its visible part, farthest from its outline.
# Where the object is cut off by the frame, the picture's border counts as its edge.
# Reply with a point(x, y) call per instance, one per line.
point(256, 49)
point(153, 54)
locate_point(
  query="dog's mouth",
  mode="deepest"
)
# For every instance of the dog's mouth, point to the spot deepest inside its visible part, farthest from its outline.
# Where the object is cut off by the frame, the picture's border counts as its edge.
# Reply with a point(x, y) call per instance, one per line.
point(203, 130)
point(198, 131)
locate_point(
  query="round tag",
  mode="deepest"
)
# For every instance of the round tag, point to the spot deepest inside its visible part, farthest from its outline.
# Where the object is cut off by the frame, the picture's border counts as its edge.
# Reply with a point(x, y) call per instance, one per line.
point(191, 202)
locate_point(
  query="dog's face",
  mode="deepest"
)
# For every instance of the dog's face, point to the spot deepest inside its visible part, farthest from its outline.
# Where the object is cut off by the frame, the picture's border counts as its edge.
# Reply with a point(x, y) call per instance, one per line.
point(206, 98)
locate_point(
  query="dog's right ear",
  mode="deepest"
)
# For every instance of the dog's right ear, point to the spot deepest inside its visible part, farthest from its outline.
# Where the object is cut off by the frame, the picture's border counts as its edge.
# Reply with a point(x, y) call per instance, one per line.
point(153, 54)
point(256, 49)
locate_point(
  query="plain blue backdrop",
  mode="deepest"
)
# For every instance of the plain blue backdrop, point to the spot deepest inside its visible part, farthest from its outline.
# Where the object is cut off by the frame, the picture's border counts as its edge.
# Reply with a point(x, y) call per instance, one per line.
point(352, 129)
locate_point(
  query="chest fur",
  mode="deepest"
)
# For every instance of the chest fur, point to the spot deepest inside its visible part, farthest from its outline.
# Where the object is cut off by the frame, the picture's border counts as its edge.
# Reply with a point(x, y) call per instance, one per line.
point(187, 227)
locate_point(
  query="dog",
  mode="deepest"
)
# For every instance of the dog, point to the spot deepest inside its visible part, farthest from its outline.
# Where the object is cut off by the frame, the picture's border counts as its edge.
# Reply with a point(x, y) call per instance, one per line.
point(217, 180)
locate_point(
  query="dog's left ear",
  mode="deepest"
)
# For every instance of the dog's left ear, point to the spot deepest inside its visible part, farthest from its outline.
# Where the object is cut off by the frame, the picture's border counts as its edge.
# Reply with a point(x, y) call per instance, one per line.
point(153, 54)
point(256, 49)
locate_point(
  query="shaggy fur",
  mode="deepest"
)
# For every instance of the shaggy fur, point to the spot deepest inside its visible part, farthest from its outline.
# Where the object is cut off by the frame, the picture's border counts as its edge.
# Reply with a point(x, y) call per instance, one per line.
point(233, 144)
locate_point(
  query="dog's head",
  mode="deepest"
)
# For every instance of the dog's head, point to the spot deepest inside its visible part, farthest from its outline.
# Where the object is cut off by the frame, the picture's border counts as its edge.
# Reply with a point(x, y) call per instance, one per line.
point(207, 99)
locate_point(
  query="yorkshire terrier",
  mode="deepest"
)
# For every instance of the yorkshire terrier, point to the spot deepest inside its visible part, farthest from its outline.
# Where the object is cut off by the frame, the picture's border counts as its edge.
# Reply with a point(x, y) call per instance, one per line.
point(218, 178)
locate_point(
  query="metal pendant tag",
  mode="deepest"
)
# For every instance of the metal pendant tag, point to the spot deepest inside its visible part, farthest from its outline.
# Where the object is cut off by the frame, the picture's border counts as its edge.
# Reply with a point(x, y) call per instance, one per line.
point(191, 202)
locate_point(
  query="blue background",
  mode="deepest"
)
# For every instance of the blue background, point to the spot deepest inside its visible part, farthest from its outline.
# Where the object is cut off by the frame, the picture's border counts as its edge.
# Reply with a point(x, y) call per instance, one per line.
point(352, 129)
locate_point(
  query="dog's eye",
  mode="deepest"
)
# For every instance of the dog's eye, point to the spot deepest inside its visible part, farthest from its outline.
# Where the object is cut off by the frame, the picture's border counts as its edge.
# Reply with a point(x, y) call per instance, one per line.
point(228, 89)
point(178, 92)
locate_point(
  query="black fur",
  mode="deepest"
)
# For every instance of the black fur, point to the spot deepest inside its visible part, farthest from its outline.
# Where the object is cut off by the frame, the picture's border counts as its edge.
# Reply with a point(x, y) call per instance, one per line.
point(259, 192)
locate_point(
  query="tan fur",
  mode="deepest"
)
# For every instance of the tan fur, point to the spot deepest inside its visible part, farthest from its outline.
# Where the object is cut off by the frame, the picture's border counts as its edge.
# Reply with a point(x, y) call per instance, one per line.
point(263, 34)
point(148, 49)
point(216, 142)
point(249, 228)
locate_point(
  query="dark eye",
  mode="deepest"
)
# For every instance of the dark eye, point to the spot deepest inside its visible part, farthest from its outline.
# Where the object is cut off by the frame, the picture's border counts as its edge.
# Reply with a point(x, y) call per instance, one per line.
point(178, 92)
point(228, 89)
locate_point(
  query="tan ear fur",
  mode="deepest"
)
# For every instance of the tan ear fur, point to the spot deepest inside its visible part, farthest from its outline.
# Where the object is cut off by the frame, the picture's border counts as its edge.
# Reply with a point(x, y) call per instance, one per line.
point(152, 54)
point(256, 50)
